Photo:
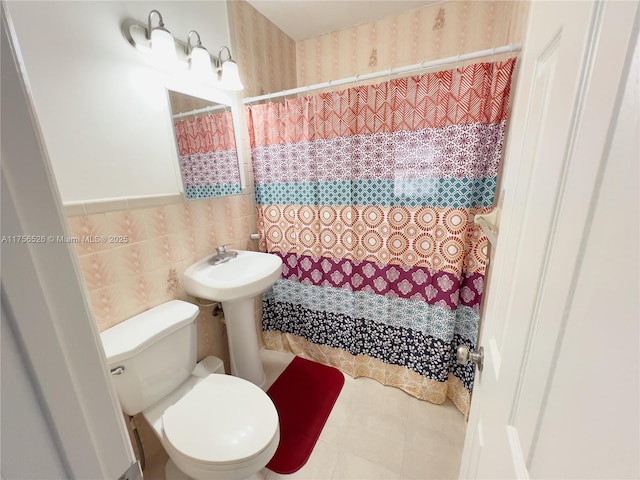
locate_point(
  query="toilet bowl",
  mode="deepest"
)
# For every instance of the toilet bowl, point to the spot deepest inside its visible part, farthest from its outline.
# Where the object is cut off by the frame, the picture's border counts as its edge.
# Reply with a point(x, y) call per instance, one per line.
point(221, 427)
point(212, 426)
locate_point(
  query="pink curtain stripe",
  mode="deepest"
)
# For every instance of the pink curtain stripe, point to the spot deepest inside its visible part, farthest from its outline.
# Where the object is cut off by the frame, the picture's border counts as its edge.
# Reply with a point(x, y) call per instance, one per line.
point(472, 94)
point(207, 133)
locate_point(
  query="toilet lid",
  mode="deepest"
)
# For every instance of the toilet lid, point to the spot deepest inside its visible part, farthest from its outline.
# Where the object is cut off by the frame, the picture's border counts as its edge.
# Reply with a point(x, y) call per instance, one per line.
point(222, 419)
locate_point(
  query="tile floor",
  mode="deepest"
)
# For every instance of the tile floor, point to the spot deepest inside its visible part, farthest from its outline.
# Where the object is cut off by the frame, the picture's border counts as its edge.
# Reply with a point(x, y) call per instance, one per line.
point(374, 432)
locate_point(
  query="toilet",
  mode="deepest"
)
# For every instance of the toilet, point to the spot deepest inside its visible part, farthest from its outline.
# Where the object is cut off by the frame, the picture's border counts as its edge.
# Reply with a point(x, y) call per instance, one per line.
point(212, 425)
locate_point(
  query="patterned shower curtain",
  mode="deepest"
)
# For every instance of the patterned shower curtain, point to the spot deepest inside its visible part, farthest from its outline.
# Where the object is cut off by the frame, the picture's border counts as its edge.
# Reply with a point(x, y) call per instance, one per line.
point(368, 195)
point(208, 156)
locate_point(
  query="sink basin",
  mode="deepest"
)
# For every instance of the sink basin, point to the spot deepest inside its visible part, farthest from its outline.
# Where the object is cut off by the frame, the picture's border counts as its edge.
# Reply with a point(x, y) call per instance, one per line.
point(245, 276)
point(235, 283)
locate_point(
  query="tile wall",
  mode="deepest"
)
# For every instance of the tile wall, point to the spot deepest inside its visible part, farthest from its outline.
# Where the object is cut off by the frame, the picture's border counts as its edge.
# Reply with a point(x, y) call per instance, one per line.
point(147, 250)
point(142, 261)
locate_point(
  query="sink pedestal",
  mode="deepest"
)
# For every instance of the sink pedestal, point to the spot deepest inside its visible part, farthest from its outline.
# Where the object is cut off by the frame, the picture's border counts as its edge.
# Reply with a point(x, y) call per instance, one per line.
point(243, 341)
point(236, 282)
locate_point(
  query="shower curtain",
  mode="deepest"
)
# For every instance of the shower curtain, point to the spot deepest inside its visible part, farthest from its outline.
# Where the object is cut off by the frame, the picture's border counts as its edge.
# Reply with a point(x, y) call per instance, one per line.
point(368, 195)
point(208, 156)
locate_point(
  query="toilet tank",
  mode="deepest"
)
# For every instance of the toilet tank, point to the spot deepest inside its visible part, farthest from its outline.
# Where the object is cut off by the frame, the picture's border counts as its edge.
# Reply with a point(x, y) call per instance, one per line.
point(152, 353)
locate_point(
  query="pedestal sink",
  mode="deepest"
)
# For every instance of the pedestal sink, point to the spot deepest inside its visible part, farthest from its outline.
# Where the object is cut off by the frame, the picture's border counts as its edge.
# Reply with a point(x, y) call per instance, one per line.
point(235, 283)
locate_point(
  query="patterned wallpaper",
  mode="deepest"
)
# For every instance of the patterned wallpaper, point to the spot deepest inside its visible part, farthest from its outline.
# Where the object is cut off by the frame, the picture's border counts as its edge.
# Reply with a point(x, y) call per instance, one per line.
point(266, 56)
point(181, 103)
point(438, 31)
point(270, 61)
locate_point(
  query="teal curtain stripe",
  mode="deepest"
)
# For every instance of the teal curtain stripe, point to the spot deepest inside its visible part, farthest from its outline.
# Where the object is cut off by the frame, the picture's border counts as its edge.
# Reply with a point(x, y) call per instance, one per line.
point(467, 323)
point(432, 320)
point(431, 192)
point(194, 192)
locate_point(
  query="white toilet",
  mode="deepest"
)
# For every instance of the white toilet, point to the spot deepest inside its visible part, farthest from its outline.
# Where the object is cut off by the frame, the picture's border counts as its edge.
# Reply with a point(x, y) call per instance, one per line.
point(213, 426)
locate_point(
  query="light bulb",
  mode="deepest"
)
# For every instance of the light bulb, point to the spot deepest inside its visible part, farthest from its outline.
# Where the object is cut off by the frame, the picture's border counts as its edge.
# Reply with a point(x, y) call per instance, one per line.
point(230, 76)
point(201, 62)
point(162, 46)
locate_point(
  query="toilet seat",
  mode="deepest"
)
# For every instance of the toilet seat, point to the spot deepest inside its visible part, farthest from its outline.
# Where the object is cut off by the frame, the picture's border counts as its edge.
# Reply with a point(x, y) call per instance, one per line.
point(222, 420)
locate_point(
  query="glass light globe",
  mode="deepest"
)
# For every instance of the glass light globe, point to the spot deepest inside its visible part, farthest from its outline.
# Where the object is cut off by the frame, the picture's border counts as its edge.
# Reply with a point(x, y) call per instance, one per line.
point(231, 76)
point(162, 46)
point(201, 62)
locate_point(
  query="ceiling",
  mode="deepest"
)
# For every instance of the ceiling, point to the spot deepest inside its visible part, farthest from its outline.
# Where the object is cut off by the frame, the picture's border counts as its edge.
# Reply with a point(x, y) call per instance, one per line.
point(301, 19)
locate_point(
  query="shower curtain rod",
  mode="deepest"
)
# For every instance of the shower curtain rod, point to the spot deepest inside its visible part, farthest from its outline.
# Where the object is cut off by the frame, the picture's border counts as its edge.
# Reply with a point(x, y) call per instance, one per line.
point(515, 47)
point(198, 111)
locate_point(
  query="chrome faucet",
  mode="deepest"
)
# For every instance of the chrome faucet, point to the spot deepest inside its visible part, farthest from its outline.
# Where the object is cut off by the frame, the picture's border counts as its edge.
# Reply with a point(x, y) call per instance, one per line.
point(222, 255)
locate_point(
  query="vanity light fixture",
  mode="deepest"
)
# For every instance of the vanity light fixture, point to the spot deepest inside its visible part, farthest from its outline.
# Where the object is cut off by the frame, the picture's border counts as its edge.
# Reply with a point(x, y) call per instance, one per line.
point(158, 42)
point(160, 39)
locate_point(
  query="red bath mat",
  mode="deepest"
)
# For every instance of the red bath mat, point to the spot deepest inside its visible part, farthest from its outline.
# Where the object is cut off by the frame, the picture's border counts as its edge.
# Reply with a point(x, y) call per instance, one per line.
point(303, 395)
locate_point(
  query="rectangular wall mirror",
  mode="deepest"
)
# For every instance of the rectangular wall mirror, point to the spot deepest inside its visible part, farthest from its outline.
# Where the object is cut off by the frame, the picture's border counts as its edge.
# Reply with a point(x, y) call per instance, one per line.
point(206, 144)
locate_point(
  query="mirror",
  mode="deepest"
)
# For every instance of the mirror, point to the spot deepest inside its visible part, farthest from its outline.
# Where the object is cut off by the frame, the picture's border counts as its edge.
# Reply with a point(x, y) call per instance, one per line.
point(206, 144)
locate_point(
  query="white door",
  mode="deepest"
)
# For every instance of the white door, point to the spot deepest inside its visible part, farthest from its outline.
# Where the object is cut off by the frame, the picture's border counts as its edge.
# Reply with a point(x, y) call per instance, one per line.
point(572, 65)
point(60, 416)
